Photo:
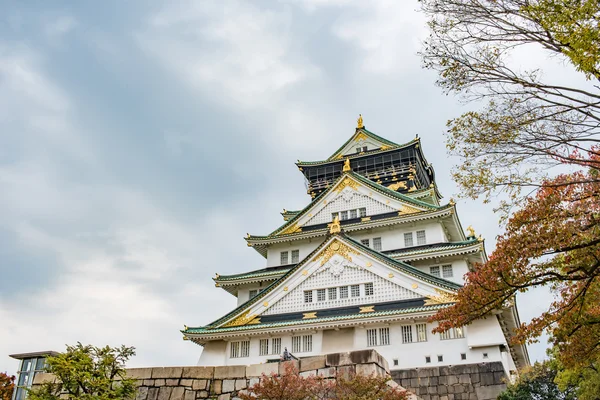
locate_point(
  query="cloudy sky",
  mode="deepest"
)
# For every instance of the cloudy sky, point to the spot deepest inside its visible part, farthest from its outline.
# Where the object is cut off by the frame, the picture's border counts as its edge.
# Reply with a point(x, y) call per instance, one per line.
point(140, 141)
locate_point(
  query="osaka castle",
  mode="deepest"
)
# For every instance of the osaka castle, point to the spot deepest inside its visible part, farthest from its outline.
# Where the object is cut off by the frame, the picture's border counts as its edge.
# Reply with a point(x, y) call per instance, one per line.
point(370, 258)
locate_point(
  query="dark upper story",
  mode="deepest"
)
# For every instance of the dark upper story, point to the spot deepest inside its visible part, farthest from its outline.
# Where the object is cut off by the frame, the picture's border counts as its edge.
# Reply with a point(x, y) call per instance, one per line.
point(402, 168)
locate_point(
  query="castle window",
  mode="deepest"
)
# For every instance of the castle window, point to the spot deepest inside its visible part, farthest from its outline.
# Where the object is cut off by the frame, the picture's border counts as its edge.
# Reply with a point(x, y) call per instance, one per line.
point(252, 293)
point(371, 337)
point(459, 333)
point(343, 215)
point(306, 343)
point(377, 244)
point(344, 292)
point(295, 256)
point(264, 347)
point(383, 339)
point(447, 271)
point(369, 289)
point(445, 335)
point(332, 293)
point(384, 336)
point(407, 336)
point(427, 359)
point(320, 294)
point(276, 346)
point(355, 290)
point(353, 214)
point(440, 358)
point(358, 150)
point(302, 344)
point(421, 332)
point(365, 242)
point(395, 362)
point(435, 271)
point(421, 237)
point(485, 355)
point(454, 333)
point(362, 212)
point(463, 356)
point(308, 296)
point(284, 258)
point(334, 215)
point(408, 239)
point(239, 349)
point(364, 148)
point(296, 344)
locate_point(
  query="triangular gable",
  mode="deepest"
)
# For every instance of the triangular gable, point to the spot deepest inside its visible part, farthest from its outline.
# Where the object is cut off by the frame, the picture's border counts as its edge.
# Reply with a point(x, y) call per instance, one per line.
point(339, 250)
point(352, 191)
point(362, 138)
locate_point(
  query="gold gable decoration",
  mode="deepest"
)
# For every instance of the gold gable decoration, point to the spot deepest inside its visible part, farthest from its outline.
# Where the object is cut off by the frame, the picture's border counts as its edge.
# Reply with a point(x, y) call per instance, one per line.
point(336, 247)
point(294, 228)
point(407, 210)
point(335, 226)
point(441, 298)
point(347, 183)
point(398, 185)
point(244, 319)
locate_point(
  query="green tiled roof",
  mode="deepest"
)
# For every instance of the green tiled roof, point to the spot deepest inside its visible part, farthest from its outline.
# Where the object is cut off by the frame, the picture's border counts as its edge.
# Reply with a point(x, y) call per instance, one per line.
point(367, 182)
point(368, 133)
point(400, 266)
point(255, 274)
point(206, 330)
point(441, 247)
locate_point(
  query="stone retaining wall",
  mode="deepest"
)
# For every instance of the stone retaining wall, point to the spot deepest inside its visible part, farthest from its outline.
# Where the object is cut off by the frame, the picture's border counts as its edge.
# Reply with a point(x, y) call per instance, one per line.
point(459, 382)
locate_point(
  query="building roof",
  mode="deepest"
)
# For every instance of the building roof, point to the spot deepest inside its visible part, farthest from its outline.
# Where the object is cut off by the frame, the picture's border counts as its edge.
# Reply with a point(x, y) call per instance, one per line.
point(22, 356)
point(398, 265)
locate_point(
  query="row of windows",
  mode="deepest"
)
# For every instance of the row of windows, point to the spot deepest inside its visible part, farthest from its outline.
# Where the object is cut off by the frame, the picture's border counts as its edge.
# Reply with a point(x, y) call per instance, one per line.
point(376, 243)
point(446, 271)
point(349, 214)
point(378, 337)
point(342, 292)
point(440, 358)
point(361, 149)
point(300, 344)
point(409, 238)
point(410, 334)
point(285, 260)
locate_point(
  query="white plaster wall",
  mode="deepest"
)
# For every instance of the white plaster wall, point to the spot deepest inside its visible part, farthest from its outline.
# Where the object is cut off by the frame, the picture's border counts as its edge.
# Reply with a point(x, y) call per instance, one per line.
point(304, 246)
point(459, 268)
point(214, 353)
point(486, 332)
point(392, 238)
point(244, 291)
point(337, 341)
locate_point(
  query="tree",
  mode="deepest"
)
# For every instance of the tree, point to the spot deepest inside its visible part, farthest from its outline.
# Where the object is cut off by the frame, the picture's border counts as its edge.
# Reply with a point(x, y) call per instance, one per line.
point(292, 386)
point(538, 383)
point(88, 373)
point(527, 124)
point(7, 385)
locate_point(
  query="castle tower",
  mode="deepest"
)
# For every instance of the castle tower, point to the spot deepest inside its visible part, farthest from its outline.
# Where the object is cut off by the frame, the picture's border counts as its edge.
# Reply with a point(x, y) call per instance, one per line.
point(363, 265)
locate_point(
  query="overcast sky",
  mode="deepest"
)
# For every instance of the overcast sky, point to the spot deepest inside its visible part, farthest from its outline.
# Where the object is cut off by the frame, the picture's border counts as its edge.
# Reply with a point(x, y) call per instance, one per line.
point(141, 140)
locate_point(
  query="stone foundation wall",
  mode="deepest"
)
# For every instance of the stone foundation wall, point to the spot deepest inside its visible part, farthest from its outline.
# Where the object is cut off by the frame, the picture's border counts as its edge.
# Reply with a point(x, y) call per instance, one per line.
point(459, 382)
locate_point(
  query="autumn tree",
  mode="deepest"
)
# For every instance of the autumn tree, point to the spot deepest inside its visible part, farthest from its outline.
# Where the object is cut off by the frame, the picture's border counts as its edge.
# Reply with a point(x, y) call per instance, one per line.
point(290, 385)
point(88, 373)
point(538, 383)
point(7, 385)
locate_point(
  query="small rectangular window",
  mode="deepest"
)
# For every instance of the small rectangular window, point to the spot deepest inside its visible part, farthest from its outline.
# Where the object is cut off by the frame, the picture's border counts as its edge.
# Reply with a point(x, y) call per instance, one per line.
point(234, 349)
point(343, 215)
point(421, 238)
point(358, 150)
point(459, 333)
point(245, 349)
point(355, 290)
point(253, 293)
point(421, 332)
point(308, 296)
point(353, 214)
point(365, 242)
point(320, 294)
point(435, 271)
point(344, 292)
point(427, 359)
point(335, 215)
point(296, 344)
point(447, 271)
point(295, 256)
point(276, 346)
point(365, 148)
point(377, 244)
point(332, 293)
point(407, 336)
point(307, 343)
point(445, 335)
point(463, 356)
point(440, 358)
point(384, 336)
point(408, 239)
point(264, 347)
point(371, 337)
point(362, 212)
point(395, 362)
point(284, 258)
point(485, 355)
point(369, 289)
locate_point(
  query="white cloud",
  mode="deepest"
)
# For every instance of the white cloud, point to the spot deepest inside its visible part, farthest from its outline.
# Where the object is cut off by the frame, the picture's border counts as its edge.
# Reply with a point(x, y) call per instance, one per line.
point(60, 26)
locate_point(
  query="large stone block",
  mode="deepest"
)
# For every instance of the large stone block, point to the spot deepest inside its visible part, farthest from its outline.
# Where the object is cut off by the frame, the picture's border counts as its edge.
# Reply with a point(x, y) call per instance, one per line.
point(139, 373)
point(240, 384)
point(43, 377)
point(141, 393)
point(368, 356)
point(369, 369)
point(189, 395)
point(186, 382)
point(177, 393)
point(337, 359)
point(153, 393)
point(198, 372)
point(312, 363)
point(228, 385)
point(167, 372)
point(489, 392)
point(259, 369)
point(164, 393)
point(328, 372)
point(172, 382)
point(216, 386)
point(199, 384)
point(230, 371)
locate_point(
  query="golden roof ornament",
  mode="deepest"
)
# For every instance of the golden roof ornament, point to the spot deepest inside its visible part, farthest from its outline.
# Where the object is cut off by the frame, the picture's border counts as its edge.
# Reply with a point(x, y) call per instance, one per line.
point(359, 122)
point(451, 202)
point(335, 226)
point(471, 231)
point(346, 167)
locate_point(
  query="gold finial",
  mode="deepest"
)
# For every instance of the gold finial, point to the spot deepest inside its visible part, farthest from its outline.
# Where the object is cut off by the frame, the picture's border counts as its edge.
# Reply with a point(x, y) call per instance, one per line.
point(185, 328)
point(480, 238)
point(217, 276)
point(471, 231)
point(451, 202)
point(335, 227)
point(359, 122)
point(346, 167)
